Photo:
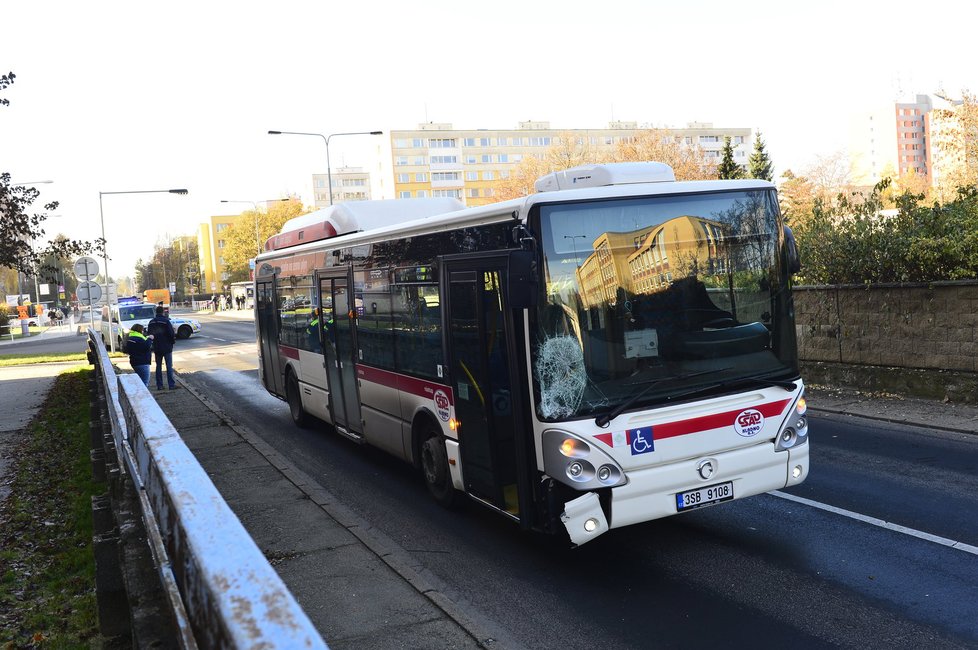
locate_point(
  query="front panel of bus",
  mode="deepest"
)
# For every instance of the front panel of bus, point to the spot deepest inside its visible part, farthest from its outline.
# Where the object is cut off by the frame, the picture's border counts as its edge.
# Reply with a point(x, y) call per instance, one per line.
point(663, 354)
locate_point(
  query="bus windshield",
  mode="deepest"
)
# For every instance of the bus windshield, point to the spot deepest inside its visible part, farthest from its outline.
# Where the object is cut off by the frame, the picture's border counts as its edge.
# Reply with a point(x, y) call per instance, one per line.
point(659, 298)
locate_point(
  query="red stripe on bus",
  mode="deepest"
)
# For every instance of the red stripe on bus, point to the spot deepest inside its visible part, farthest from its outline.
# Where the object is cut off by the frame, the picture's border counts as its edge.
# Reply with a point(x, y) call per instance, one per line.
point(292, 353)
point(420, 387)
point(717, 421)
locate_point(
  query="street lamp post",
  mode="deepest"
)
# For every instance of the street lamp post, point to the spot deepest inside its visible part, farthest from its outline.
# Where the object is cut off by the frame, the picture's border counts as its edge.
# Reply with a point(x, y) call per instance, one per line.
point(326, 138)
point(105, 255)
point(255, 204)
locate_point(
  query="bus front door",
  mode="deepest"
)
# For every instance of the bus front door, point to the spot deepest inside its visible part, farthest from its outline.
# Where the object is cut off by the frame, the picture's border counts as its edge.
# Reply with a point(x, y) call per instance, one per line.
point(338, 313)
point(268, 327)
point(481, 351)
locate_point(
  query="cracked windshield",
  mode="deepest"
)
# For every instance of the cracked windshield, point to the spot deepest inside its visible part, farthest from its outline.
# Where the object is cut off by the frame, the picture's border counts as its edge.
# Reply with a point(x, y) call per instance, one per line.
point(660, 297)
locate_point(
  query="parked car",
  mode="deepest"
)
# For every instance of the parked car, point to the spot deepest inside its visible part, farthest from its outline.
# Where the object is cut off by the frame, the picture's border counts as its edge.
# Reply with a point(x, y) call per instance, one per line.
point(184, 328)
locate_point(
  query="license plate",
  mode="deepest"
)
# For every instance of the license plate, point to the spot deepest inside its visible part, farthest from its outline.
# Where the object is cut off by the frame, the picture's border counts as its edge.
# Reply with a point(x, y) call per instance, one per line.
point(705, 496)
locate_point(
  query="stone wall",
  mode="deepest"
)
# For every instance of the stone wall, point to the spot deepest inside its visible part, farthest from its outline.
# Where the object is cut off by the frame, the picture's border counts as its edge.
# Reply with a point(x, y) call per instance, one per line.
point(924, 330)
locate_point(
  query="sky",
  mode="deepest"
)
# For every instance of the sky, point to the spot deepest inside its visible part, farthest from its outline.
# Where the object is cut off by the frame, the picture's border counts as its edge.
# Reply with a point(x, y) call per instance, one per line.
point(136, 96)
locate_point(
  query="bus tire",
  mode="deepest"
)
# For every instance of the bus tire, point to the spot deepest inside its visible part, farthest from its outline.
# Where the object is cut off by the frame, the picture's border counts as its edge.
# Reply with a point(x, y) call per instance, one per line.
point(299, 415)
point(434, 467)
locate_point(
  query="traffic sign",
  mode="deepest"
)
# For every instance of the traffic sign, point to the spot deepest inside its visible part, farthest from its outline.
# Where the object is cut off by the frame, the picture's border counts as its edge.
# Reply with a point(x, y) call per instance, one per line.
point(86, 268)
point(89, 293)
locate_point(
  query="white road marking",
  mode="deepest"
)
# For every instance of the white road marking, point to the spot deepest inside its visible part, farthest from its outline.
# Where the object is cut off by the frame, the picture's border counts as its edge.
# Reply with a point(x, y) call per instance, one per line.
point(944, 541)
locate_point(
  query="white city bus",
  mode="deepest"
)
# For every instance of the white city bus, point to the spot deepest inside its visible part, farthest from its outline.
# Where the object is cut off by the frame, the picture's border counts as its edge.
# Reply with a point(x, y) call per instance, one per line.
point(615, 348)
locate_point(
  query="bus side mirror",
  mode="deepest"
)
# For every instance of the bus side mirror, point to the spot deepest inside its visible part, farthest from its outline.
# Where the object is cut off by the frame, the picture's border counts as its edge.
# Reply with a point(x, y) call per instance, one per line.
point(791, 250)
point(523, 285)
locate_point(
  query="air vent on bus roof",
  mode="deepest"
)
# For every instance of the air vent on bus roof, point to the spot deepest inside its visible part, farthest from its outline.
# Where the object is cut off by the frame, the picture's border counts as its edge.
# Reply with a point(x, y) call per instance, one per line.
point(606, 174)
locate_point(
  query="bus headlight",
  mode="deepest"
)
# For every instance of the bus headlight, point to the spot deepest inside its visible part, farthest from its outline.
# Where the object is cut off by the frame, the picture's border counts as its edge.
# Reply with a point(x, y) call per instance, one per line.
point(796, 428)
point(575, 462)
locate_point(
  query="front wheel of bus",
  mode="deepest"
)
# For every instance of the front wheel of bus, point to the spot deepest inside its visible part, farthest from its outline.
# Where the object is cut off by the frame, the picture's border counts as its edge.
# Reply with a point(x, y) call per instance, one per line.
point(299, 416)
point(434, 464)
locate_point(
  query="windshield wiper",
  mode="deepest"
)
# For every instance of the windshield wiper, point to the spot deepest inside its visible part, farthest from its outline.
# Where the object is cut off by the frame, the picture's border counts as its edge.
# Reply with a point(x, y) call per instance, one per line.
point(780, 383)
point(605, 419)
point(764, 379)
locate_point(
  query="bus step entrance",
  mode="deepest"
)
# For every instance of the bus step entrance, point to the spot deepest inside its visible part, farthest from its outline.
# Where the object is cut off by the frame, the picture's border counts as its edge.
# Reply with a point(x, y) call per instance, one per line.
point(343, 431)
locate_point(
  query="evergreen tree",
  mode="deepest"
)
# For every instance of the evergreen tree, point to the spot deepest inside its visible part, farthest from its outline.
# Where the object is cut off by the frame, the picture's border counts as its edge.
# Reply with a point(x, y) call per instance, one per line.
point(759, 163)
point(728, 169)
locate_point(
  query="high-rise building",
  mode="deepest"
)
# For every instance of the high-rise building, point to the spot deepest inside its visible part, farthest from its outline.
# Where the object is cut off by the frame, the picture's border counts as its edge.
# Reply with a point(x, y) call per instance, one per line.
point(349, 184)
point(902, 138)
point(437, 160)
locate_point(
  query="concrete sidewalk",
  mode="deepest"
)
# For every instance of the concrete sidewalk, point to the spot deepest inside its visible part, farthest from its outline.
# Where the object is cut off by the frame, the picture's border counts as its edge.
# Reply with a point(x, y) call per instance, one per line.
point(358, 588)
point(924, 413)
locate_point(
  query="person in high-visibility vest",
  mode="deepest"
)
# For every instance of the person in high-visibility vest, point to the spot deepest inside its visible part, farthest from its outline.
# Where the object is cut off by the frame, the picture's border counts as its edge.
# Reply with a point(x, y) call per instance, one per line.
point(313, 330)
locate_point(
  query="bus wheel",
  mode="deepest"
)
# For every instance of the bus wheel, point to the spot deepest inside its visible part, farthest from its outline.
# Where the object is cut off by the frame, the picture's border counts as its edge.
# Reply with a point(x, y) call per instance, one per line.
point(434, 465)
point(299, 416)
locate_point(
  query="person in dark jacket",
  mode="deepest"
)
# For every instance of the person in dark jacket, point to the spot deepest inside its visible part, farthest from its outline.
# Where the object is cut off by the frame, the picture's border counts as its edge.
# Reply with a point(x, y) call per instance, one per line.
point(140, 350)
point(163, 339)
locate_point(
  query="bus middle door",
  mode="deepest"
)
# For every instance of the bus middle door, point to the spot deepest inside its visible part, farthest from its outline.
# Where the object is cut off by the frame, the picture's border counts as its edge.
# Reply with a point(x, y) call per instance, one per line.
point(268, 330)
point(478, 330)
point(337, 315)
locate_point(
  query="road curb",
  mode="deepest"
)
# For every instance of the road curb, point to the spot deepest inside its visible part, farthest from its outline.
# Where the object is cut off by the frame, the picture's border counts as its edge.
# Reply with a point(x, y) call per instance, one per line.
point(881, 418)
point(383, 547)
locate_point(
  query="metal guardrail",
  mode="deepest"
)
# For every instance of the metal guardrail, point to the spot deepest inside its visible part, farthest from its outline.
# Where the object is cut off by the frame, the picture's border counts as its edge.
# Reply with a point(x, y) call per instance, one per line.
point(221, 590)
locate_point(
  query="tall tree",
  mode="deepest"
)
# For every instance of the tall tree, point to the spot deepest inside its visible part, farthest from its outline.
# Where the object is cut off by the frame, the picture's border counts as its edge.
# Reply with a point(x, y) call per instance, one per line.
point(797, 198)
point(728, 169)
point(174, 260)
point(240, 240)
point(956, 142)
point(661, 145)
point(21, 230)
point(5, 81)
point(759, 164)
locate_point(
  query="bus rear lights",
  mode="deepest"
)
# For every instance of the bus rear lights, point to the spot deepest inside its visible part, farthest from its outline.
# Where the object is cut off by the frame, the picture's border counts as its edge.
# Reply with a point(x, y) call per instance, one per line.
point(580, 471)
point(574, 448)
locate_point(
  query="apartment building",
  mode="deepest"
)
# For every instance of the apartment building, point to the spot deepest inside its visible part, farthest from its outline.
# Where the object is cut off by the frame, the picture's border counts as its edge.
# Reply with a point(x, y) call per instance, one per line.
point(891, 140)
point(920, 136)
point(437, 160)
point(349, 184)
point(210, 243)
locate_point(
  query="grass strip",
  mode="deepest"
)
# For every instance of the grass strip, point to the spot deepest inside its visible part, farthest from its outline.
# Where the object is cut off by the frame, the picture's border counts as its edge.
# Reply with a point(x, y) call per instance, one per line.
point(47, 566)
point(26, 358)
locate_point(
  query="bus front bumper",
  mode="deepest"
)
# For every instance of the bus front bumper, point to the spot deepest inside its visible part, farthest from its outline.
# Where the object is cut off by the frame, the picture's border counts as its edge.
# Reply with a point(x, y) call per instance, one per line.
point(651, 493)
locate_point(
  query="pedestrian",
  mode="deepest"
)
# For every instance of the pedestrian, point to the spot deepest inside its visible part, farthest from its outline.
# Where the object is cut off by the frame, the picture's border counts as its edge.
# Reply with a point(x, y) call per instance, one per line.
point(140, 349)
point(163, 339)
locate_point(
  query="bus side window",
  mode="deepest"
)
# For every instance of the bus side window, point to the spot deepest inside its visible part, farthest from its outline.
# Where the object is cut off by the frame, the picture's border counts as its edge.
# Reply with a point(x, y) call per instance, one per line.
point(375, 334)
point(417, 330)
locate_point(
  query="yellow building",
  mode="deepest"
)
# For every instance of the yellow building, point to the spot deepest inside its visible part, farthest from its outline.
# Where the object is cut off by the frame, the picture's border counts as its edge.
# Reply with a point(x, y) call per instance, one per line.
point(210, 243)
point(648, 260)
point(436, 160)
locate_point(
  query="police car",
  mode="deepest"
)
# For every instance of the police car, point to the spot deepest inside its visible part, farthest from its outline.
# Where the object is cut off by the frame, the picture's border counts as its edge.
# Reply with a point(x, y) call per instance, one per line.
point(119, 318)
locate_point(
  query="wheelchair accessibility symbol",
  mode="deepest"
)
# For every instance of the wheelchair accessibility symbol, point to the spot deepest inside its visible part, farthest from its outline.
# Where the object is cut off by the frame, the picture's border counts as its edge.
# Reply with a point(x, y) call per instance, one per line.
point(640, 440)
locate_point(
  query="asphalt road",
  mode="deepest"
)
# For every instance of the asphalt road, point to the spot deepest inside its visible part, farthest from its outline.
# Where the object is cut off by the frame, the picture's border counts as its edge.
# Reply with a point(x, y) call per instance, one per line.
point(766, 571)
